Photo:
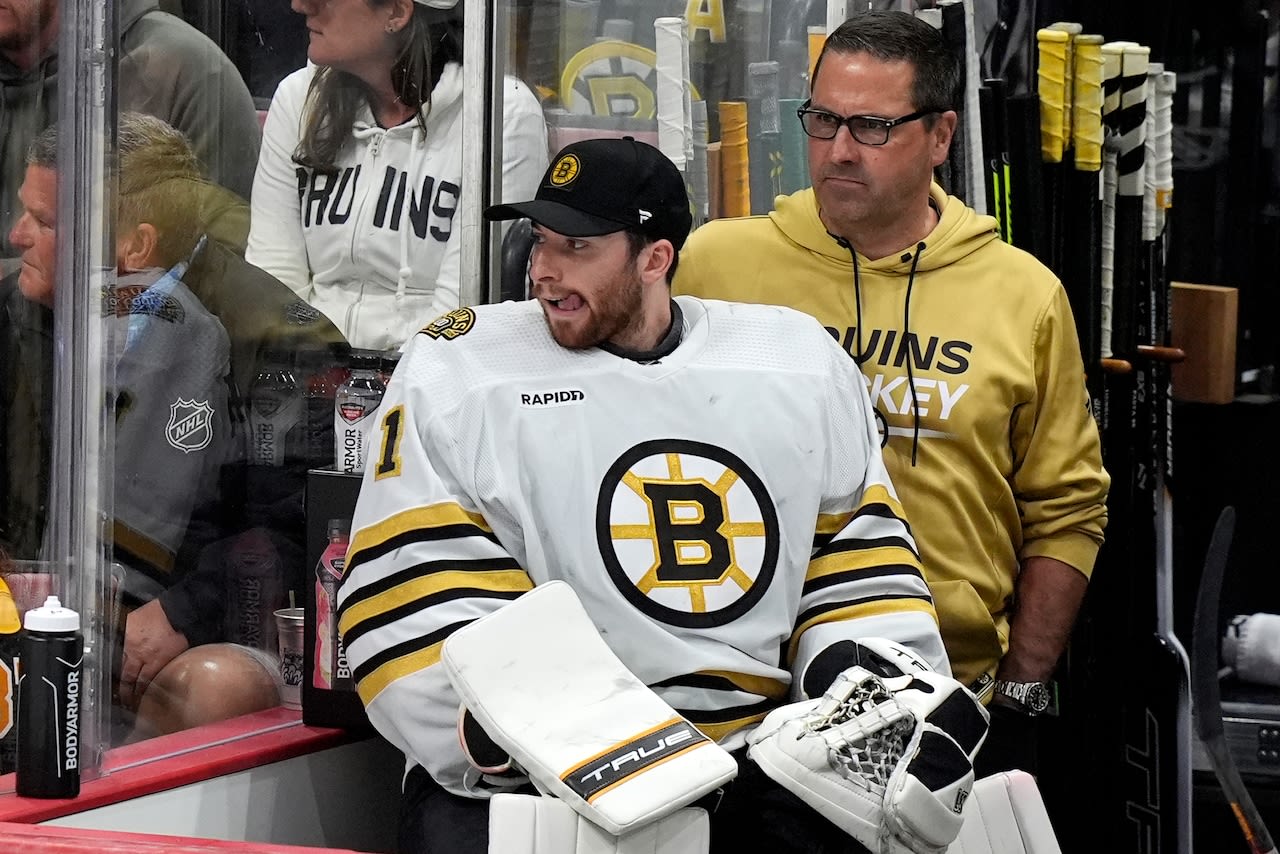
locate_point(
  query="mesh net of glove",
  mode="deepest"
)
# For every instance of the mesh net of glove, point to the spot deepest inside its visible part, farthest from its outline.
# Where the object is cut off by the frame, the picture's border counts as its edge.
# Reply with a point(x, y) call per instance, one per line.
point(887, 759)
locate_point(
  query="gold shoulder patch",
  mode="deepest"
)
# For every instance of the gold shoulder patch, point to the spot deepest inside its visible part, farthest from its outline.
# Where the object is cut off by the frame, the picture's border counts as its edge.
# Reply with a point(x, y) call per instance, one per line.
point(453, 324)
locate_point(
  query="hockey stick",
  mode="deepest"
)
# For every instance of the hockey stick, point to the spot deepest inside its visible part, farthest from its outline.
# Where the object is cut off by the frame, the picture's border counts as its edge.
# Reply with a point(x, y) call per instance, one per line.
point(671, 42)
point(1204, 686)
point(764, 135)
point(735, 180)
point(1159, 191)
point(1054, 45)
point(1083, 264)
point(995, 160)
point(955, 21)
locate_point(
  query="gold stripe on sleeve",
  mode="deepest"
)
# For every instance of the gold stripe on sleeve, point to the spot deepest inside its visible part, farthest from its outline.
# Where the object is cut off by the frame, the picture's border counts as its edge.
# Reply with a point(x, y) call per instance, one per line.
point(853, 559)
point(510, 580)
point(861, 610)
point(373, 684)
point(415, 519)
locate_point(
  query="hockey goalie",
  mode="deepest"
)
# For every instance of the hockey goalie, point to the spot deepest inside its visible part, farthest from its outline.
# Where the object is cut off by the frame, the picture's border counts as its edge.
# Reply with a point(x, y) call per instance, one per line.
point(718, 507)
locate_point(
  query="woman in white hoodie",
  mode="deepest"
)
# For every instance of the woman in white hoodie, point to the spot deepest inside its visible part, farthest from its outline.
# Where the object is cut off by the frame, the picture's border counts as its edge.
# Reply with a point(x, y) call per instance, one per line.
point(359, 182)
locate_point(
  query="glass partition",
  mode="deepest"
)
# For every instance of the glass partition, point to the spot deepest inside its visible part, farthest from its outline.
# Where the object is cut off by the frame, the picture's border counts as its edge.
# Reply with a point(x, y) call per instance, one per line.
point(232, 289)
point(161, 398)
point(620, 67)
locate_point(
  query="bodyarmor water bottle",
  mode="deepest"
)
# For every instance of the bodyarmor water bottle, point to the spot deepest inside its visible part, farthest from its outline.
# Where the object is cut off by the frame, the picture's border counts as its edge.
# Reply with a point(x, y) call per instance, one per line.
point(275, 413)
point(49, 702)
point(323, 381)
point(331, 670)
point(254, 590)
point(355, 410)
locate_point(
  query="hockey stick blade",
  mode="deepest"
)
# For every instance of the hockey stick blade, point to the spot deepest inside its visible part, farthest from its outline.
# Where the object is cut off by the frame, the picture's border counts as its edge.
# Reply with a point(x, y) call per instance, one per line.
point(1205, 692)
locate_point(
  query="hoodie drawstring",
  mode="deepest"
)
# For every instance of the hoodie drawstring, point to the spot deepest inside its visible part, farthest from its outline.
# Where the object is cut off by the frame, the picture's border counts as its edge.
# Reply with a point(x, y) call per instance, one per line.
point(857, 298)
point(906, 341)
point(906, 331)
point(418, 144)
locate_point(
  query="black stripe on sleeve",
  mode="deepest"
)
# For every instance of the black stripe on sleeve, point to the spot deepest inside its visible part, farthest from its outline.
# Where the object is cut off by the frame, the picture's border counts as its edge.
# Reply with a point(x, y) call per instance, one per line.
point(407, 648)
point(858, 545)
point(418, 535)
point(817, 611)
point(422, 604)
point(813, 585)
point(422, 570)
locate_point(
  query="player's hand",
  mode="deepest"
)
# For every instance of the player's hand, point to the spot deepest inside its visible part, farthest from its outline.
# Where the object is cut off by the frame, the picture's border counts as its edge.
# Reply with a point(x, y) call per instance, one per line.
point(149, 644)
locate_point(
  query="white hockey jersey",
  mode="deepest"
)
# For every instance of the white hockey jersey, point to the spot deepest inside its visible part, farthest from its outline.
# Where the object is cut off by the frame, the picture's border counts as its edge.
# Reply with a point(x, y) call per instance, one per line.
point(723, 513)
point(377, 245)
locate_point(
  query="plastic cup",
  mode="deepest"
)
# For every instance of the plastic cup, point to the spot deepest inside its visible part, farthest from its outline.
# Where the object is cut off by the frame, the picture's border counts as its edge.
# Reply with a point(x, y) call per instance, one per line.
point(289, 626)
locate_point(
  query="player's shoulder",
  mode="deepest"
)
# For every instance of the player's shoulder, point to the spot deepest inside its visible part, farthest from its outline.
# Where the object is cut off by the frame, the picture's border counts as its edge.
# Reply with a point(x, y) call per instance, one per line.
point(765, 315)
point(469, 327)
point(470, 350)
point(488, 339)
point(781, 335)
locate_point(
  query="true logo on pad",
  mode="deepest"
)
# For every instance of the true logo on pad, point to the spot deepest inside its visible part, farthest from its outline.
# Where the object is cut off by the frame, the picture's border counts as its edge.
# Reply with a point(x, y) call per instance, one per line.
point(632, 757)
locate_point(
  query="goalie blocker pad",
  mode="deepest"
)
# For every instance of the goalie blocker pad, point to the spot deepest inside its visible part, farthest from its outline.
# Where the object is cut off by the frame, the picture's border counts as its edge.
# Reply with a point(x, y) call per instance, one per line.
point(545, 686)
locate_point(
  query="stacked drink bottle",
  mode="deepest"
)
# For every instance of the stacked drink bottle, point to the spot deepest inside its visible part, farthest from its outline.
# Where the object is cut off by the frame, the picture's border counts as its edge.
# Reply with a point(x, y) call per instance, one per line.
point(331, 670)
point(276, 413)
point(355, 411)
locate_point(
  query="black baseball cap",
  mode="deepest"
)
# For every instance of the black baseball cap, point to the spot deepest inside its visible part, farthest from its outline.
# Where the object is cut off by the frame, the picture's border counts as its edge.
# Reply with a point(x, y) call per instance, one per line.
point(599, 186)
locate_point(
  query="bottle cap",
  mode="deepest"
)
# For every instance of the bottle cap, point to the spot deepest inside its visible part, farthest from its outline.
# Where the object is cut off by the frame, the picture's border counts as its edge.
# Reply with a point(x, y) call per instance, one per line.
point(52, 617)
point(364, 360)
point(339, 528)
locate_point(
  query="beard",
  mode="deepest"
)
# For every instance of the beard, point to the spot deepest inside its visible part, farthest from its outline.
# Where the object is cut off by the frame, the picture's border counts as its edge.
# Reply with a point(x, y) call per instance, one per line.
point(616, 310)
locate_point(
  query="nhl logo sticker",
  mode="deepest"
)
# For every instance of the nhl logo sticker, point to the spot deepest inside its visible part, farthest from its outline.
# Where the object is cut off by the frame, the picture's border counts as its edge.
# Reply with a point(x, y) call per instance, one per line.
point(190, 426)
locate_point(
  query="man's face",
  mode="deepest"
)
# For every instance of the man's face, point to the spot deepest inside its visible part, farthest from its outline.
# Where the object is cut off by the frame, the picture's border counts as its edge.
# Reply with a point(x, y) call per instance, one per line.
point(35, 233)
point(22, 20)
point(589, 287)
point(868, 188)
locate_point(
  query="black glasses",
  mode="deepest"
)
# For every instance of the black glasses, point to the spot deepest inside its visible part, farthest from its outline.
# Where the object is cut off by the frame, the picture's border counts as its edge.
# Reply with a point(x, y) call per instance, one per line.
point(868, 130)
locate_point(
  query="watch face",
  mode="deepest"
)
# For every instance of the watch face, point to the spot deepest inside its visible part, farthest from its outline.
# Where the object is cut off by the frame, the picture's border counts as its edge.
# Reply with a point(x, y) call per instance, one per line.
point(1037, 697)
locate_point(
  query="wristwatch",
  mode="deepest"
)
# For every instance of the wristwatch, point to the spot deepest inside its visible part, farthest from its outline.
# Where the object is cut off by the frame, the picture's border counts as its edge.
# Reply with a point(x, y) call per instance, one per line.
point(1034, 697)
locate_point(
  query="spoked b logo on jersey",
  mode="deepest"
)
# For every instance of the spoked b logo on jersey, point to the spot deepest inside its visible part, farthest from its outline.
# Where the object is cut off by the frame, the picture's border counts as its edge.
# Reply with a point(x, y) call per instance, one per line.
point(687, 532)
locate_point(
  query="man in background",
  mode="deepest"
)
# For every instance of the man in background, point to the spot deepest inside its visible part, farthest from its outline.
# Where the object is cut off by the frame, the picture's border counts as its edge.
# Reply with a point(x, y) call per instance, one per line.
point(166, 68)
point(967, 346)
point(188, 322)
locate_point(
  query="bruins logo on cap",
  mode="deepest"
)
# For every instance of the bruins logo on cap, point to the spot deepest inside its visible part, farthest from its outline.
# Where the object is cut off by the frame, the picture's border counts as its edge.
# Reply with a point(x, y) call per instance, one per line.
point(565, 170)
point(452, 325)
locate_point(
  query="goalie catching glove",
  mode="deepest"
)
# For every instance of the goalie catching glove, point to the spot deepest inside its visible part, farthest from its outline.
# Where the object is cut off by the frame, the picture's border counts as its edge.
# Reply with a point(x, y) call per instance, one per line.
point(886, 753)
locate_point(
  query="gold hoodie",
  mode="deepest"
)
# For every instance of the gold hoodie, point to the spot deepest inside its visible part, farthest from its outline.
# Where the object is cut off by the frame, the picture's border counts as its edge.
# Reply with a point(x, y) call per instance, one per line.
point(1007, 458)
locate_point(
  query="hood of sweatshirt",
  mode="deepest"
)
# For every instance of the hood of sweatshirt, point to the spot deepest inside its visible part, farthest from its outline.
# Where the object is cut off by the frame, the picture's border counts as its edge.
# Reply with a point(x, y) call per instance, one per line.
point(959, 232)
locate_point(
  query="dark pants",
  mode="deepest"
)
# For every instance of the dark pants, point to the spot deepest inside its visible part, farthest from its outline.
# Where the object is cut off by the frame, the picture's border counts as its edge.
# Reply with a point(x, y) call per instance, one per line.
point(751, 813)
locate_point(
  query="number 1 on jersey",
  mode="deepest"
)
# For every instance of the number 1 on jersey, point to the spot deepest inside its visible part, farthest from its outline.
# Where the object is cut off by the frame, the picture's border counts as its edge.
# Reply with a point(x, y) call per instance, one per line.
point(389, 455)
